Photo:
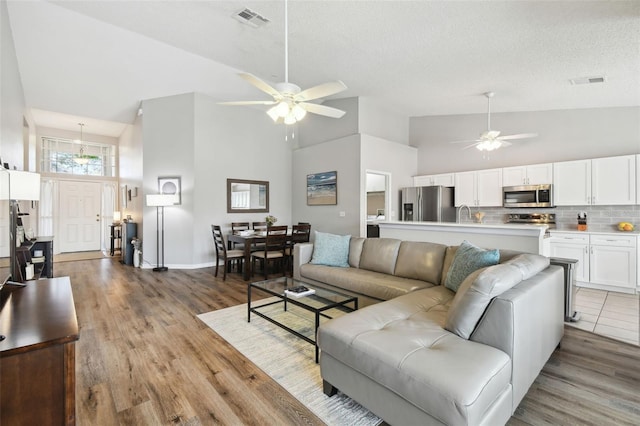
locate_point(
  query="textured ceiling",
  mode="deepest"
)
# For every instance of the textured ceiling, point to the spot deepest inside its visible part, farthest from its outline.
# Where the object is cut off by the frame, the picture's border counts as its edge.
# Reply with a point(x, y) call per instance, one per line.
point(101, 58)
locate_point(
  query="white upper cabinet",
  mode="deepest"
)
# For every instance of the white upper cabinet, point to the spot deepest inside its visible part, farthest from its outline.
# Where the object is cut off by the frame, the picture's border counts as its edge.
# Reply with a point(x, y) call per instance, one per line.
point(535, 174)
point(445, 179)
point(601, 181)
point(613, 180)
point(572, 183)
point(479, 188)
point(638, 179)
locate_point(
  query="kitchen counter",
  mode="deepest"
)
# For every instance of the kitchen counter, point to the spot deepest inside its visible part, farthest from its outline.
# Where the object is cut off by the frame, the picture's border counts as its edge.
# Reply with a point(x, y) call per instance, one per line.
point(604, 230)
point(527, 238)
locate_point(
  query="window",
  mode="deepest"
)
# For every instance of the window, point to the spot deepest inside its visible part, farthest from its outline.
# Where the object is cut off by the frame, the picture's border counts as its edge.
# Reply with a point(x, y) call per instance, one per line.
point(57, 156)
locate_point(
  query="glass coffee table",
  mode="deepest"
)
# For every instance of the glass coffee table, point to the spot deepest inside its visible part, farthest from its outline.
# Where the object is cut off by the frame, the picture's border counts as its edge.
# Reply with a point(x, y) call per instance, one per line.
point(300, 316)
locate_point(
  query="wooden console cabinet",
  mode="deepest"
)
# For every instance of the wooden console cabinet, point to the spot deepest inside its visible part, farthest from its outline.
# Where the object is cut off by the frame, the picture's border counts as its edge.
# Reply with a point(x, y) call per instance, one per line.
point(37, 356)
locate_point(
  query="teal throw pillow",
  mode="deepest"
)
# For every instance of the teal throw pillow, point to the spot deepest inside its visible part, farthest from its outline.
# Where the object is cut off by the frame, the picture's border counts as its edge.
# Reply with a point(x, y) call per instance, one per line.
point(331, 250)
point(469, 258)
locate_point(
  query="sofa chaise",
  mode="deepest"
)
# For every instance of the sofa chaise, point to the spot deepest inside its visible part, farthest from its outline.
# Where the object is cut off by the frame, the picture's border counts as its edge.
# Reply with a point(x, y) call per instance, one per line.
point(421, 353)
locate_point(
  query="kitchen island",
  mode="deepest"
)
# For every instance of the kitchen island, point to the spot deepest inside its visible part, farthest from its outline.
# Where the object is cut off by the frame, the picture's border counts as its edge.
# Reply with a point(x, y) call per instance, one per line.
point(526, 238)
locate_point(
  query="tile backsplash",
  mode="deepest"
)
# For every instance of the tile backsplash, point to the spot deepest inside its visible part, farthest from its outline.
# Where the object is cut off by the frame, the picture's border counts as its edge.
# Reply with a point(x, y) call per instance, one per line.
point(599, 218)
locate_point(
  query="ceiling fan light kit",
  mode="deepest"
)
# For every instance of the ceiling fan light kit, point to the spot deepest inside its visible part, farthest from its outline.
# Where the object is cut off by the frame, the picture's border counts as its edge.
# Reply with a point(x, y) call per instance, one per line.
point(290, 104)
point(490, 140)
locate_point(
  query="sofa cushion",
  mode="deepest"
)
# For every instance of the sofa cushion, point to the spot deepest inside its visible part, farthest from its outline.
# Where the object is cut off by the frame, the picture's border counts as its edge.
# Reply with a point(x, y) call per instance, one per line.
point(468, 258)
point(330, 249)
point(475, 293)
point(401, 345)
point(379, 255)
point(372, 284)
point(420, 261)
point(355, 250)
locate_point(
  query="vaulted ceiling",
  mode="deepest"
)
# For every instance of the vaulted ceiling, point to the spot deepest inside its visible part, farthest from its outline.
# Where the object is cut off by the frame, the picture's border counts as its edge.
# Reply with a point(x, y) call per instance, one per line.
point(100, 59)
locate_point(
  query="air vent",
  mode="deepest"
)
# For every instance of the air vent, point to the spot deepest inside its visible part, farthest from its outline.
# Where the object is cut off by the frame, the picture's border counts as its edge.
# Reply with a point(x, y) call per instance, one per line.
point(251, 18)
point(588, 80)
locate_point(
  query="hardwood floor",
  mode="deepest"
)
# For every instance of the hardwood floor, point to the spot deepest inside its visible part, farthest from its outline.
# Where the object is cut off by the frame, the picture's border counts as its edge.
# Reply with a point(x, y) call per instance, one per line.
point(143, 358)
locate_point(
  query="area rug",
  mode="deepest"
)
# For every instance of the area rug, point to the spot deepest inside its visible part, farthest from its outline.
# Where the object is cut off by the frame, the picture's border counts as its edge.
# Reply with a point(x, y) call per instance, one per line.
point(287, 359)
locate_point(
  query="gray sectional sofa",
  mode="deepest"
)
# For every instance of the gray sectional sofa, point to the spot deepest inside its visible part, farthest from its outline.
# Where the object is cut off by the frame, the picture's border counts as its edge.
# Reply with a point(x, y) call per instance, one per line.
point(423, 354)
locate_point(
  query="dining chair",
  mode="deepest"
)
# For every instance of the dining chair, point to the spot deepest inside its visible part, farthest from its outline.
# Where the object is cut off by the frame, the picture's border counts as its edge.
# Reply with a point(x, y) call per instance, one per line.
point(259, 226)
point(228, 256)
point(236, 227)
point(274, 250)
point(300, 233)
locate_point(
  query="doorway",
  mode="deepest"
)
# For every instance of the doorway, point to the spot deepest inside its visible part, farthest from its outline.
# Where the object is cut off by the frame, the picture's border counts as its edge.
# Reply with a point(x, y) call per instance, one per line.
point(378, 203)
point(80, 216)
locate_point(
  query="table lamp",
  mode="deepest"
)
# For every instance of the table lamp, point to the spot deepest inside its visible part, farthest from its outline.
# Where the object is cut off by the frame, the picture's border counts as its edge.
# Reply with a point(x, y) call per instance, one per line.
point(117, 217)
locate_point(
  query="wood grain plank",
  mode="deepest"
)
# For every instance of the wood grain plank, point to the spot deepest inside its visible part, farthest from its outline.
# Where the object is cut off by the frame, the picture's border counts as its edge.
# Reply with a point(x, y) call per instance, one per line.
point(144, 358)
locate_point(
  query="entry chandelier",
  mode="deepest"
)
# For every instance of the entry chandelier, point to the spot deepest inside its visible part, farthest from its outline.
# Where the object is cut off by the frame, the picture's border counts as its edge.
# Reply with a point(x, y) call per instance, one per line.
point(81, 159)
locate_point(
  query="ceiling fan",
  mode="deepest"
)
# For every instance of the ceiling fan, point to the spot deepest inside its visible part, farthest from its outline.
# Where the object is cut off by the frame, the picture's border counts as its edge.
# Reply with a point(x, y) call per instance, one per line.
point(491, 139)
point(290, 103)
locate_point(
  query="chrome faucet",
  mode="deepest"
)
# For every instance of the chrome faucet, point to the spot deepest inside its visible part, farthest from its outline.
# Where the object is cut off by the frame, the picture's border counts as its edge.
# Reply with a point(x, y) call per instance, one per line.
point(460, 209)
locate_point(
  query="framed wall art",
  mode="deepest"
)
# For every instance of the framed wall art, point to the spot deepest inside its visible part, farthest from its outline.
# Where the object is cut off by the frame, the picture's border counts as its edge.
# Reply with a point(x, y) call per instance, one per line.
point(322, 189)
point(170, 185)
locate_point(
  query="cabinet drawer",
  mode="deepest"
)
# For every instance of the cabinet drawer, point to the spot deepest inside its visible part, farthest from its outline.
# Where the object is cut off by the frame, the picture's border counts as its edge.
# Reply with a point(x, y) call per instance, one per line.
point(570, 237)
point(614, 240)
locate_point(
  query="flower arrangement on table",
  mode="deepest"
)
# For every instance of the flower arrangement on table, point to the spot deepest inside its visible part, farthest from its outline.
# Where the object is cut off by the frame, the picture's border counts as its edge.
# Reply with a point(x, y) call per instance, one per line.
point(270, 220)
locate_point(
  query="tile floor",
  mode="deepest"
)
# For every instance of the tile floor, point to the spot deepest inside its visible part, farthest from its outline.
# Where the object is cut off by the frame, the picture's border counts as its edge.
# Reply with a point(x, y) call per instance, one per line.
point(610, 314)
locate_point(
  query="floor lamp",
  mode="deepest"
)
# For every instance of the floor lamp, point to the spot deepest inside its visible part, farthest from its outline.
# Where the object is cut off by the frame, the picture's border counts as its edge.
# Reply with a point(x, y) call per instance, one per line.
point(160, 201)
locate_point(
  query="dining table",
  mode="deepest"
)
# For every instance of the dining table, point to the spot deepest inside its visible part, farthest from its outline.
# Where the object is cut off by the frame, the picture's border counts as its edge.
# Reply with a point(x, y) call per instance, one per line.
point(248, 241)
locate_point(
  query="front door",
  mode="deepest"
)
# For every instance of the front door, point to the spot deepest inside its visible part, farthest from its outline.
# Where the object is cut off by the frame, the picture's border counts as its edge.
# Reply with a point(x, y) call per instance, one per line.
point(79, 216)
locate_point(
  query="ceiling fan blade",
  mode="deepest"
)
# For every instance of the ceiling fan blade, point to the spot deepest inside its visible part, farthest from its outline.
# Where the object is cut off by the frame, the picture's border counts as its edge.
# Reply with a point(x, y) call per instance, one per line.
point(248, 103)
point(467, 141)
point(470, 146)
point(260, 84)
point(321, 91)
point(518, 136)
point(322, 110)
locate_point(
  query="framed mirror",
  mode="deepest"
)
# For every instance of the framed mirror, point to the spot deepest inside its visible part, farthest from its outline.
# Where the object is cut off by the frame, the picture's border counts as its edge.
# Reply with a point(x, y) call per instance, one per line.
point(247, 196)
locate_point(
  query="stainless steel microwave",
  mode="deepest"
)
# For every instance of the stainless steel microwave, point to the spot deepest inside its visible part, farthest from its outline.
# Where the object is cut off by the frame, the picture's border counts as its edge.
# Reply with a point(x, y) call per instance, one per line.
point(528, 196)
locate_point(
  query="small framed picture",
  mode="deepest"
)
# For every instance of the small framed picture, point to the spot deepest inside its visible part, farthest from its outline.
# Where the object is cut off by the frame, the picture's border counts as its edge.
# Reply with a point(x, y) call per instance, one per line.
point(170, 185)
point(322, 189)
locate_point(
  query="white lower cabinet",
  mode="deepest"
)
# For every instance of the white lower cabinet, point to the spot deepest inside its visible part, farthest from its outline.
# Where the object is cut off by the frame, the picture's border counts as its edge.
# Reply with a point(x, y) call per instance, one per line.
point(605, 261)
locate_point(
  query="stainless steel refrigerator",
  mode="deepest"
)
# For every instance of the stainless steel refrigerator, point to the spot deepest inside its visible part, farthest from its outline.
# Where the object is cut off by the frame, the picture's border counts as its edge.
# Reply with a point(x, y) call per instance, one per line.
point(427, 204)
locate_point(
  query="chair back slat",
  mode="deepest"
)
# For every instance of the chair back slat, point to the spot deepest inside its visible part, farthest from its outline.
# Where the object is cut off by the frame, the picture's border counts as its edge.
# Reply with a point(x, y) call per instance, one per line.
point(259, 226)
point(218, 239)
point(239, 226)
point(276, 238)
point(300, 233)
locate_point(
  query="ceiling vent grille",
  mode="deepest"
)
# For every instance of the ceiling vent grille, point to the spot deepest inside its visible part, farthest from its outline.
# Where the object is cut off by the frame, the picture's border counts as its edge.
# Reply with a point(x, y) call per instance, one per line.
point(251, 18)
point(588, 80)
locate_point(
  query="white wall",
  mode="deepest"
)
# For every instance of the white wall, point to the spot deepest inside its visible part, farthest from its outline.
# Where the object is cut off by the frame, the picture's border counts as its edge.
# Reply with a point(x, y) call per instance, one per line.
point(12, 103)
point(167, 139)
point(315, 129)
point(378, 119)
point(130, 169)
point(237, 143)
point(563, 135)
point(343, 156)
point(204, 143)
point(399, 161)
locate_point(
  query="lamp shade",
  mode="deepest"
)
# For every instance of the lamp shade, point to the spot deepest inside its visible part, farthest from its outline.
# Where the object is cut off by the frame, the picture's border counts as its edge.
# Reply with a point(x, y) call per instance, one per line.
point(19, 185)
point(117, 217)
point(161, 200)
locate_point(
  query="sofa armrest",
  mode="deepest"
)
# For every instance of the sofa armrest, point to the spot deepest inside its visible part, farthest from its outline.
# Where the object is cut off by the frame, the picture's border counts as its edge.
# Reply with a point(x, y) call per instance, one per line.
point(301, 254)
point(527, 323)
